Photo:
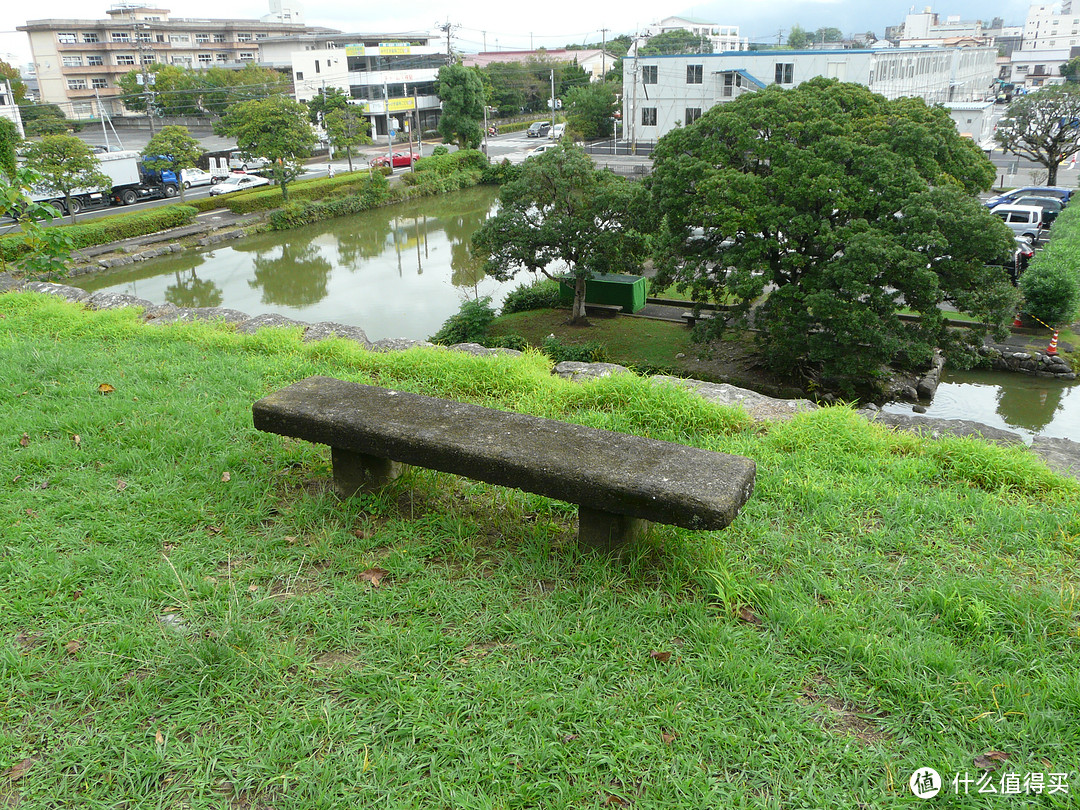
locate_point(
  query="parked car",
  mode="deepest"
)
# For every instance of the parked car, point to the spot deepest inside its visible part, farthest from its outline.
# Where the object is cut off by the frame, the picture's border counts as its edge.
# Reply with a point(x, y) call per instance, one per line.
point(1057, 192)
point(237, 162)
point(400, 159)
point(544, 147)
point(1025, 221)
point(238, 182)
point(538, 129)
point(197, 177)
point(1051, 207)
point(557, 131)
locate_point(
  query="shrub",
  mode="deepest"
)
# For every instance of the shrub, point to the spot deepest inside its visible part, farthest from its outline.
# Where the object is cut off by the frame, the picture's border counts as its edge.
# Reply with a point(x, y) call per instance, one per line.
point(511, 340)
point(1051, 286)
point(369, 193)
point(469, 325)
point(440, 150)
point(111, 229)
point(591, 351)
point(498, 174)
point(541, 294)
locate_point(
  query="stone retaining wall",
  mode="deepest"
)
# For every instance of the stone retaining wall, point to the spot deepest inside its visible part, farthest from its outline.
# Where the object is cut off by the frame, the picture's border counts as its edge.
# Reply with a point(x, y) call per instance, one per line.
point(1039, 364)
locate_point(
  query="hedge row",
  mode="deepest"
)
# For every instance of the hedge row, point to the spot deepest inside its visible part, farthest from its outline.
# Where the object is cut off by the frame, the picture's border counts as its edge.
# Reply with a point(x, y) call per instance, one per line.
point(370, 193)
point(1051, 285)
point(270, 198)
point(110, 229)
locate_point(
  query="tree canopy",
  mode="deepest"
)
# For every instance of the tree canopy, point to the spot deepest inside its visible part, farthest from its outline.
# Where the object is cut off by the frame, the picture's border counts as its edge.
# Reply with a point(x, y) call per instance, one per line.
point(799, 37)
point(1043, 126)
point(42, 249)
point(824, 209)
point(275, 128)
point(186, 91)
point(332, 98)
point(18, 86)
point(677, 41)
point(462, 96)
point(174, 149)
point(65, 164)
point(590, 109)
point(347, 127)
point(563, 215)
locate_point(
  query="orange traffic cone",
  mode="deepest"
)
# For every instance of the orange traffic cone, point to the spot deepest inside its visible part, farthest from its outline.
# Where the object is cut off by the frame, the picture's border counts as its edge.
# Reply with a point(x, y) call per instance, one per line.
point(1052, 348)
point(1017, 321)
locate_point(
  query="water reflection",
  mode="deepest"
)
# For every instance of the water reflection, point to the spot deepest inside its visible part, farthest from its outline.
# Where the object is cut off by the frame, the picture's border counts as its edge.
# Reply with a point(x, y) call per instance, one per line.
point(398, 271)
point(1030, 406)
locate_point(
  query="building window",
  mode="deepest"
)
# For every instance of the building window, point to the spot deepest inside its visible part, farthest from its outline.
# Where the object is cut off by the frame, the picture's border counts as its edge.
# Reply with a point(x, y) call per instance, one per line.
point(221, 57)
point(247, 56)
point(219, 37)
point(180, 39)
point(1040, 70)
point(299, 75)
point(95, 61)
point(66, 38)
point(785, 72)
point(76, 84)
point(144, 36)
point(202, 38)
point(648, 74)
point(243, 37)
point(181, 60)
point(317, 67)
point(692, 115)
point(90, 37)
point(125, 59)
point(99, 84)
point(84, 110)
point(72, 61)
point(261, 36)
point(648, 116)
point(693, 74)
point(148, 59)
point(205, 58)
point(120, 36)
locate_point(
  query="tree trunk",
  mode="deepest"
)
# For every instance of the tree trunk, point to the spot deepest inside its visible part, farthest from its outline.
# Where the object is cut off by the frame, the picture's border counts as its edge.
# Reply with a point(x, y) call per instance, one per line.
point(1051, 174)
point(348, 154)
point(577, 314)
point(67, 204)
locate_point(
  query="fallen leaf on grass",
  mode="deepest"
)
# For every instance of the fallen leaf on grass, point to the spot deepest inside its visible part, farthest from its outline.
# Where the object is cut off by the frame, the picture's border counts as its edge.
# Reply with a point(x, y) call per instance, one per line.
point(214, 529)
point(252, 588)
point(31, 513)
point(661, 656)
point(121, 485)
point(616, 801)
point(374, 576)
point(991, 760)
point(73, 646)
point(225, 477)
point(290, 539)
point(44, 484)
point(18, 770)
point(569, 738)
point(24, 441)
point(105, 388)
point(77, 439)
point(668, 737)
point(27, 640)
point(747, 614)
point(159, 738)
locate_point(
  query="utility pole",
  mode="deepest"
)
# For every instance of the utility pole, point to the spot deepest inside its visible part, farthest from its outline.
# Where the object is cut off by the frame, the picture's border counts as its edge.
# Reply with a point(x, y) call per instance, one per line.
point(633, 111)
point(553, 102)
point(780, 36)
point(603, 54)
point(448, 28)
point(389, 137)
point(146, 77)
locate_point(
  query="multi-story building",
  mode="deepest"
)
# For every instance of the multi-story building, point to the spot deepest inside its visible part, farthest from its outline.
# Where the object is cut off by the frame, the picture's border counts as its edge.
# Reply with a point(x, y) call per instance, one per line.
point(79, 62)
point(662, 92)
point(1051, 38)
point(594, 61)
point(392, 77)
point(715, 38)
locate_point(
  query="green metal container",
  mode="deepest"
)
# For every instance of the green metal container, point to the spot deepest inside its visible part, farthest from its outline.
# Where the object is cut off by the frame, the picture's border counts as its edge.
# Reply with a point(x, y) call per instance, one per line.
point(628, 292)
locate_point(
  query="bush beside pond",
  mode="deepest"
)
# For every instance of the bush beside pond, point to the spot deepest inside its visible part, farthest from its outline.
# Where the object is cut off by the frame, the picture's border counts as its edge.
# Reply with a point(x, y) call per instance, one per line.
point(1051, 286)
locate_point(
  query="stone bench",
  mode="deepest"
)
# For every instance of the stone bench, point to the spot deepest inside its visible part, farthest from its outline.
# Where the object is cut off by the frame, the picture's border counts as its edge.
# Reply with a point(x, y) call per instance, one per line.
point(603, 310)
point(692, 319)
point(619, 481)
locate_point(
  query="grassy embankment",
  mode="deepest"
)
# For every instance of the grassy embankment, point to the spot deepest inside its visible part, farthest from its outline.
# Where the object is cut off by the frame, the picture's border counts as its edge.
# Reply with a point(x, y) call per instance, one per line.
point(189, 619)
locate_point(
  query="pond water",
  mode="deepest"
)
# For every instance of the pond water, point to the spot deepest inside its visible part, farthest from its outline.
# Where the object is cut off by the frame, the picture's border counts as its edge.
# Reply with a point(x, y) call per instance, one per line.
point(1030, 406)
point(396, 272)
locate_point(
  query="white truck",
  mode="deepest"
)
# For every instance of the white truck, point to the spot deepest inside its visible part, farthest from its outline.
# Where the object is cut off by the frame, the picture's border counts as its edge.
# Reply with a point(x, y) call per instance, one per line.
point(131, 181)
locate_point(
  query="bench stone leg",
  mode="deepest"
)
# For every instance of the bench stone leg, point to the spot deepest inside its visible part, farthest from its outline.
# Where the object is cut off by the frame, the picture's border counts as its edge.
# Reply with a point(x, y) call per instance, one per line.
point(359, 472)
point(607, 532)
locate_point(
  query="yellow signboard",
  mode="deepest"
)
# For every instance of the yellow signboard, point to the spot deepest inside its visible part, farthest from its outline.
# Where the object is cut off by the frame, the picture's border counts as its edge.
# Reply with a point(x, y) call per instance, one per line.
point(355, 50)
point(394, 48)
point(398, 104)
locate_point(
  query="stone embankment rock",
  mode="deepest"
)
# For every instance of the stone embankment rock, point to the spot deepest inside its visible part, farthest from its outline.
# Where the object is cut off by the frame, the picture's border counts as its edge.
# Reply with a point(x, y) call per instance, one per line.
point(1059, 454)
point(1039, 364)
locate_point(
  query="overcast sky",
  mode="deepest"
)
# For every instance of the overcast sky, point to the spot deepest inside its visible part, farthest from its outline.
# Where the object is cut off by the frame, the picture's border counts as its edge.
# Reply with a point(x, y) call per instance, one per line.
point(508, 25)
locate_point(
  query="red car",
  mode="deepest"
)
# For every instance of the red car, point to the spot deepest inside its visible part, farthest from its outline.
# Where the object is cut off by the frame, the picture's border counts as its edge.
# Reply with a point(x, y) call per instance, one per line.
point(400, 159)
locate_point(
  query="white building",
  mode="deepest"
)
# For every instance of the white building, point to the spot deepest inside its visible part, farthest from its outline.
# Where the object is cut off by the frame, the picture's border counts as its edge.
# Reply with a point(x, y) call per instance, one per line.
point(715, 38)
point(8, 108)
point(1051, 38)
point(663, 92)
point(975, 120)
point(392, 77)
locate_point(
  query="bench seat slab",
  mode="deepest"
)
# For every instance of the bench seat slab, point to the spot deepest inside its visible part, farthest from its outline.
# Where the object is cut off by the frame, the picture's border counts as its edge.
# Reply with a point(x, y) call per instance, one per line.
point(600, 470)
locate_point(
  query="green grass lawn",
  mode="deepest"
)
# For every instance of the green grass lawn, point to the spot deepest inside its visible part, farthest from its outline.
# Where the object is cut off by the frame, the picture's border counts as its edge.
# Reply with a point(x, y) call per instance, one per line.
point(629, 341)
point(189, 619)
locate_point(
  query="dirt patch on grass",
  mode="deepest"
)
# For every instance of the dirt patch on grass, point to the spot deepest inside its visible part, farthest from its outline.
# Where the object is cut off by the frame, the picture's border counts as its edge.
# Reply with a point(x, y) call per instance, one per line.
point(843, 717)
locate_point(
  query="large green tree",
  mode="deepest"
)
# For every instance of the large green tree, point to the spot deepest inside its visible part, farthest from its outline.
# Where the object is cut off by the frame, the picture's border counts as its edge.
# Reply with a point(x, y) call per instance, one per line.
point(825, 209)
point(66, 163)
point(173, 149)
point(1043, 126)
point(18, 86)
point(563, 215)
point(331, 98)
point(462, 95)
point(275, 128)
point(347, 127)
point(799, 37)
point(9, 140)
point(672, 42)
point(590, 109)
point(187, 91)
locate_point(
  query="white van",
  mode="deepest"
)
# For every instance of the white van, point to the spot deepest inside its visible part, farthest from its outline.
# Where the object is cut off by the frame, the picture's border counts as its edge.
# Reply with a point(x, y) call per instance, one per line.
point(1026, 221)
